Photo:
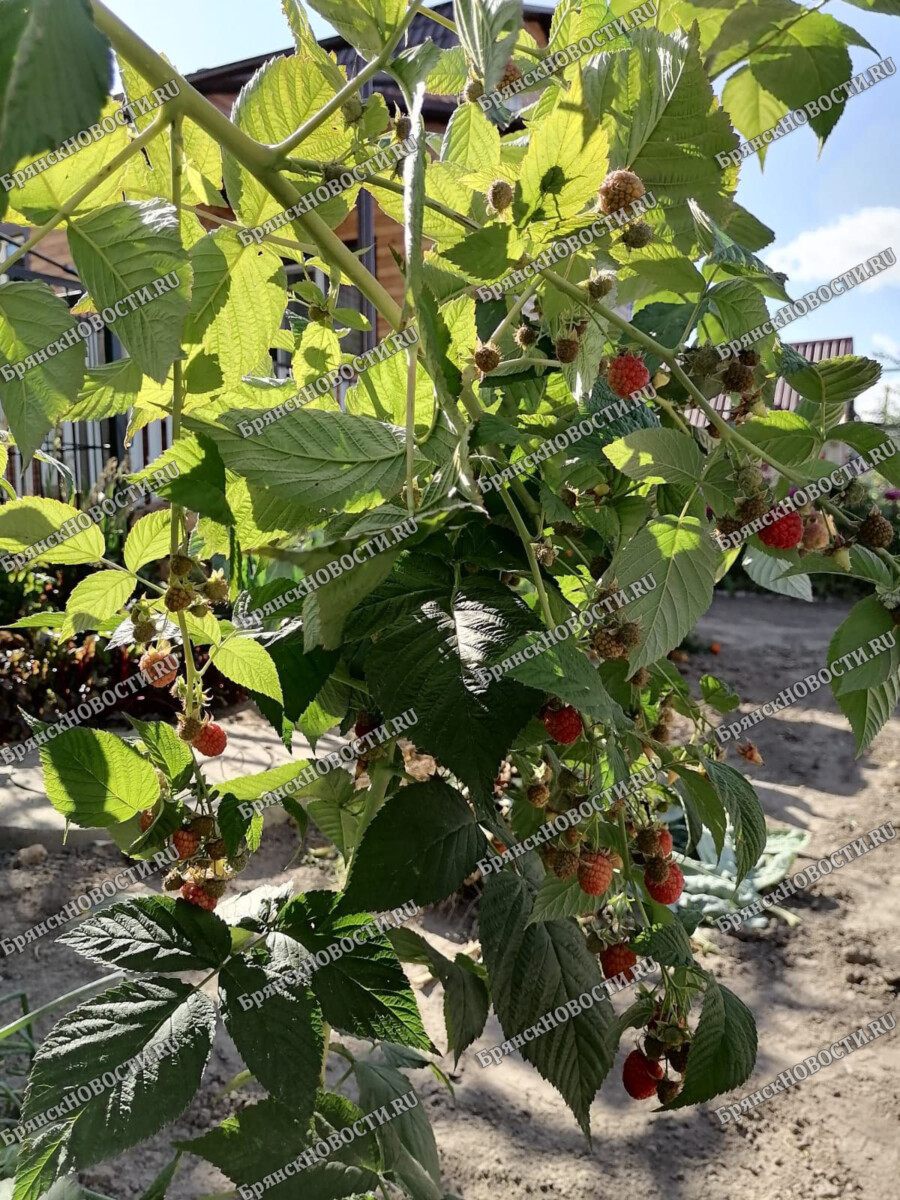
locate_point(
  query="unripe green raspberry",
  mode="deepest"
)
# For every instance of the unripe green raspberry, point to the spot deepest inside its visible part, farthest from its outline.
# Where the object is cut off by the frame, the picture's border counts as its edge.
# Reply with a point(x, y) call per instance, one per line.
point(216, 589)
point(637, 236)
point(352, 110)
point(181, 565)
point(144, 631)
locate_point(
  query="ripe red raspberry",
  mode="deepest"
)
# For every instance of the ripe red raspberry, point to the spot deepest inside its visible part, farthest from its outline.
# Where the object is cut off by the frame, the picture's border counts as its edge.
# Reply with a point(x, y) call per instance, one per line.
point(617, 960)
point(639, 1075)
point(785, 533)
point(195, 894)
point(186, 842)
point(211, 740)
point(627, 374)
point(146, 819)
point(665, 843)
point(594, 873)
point(668, 892)
point(563, 725)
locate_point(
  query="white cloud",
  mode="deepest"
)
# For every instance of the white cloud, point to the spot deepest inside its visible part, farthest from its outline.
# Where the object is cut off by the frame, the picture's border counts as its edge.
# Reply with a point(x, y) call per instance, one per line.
point(821, 254)
point(883, 343)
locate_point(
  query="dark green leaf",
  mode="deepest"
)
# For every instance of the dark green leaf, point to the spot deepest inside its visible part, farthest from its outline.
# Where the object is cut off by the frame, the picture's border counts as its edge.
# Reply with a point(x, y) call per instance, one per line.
point(419, 847)
point(533, 970)
point(723, 1052)
point(42, 41)
point(280, 1039)
point(152, 933)
point(365, 992)
point(121, 1026)
point(744, 813)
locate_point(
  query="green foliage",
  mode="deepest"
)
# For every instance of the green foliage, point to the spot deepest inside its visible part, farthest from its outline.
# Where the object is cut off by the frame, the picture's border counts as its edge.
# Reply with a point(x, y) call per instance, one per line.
point(553, 558)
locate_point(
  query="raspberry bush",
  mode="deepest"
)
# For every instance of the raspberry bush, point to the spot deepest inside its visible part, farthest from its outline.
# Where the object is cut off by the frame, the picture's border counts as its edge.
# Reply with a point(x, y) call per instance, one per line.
point(503, 545)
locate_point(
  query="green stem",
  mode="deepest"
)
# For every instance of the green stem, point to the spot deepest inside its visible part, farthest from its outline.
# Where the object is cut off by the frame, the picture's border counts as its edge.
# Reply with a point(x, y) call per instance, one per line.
point(301, 247)
point(66, 210)
point(629, 879)
point(523, 533)
point(412, 361)
point(326, 1042)
point(251, 154)
point(513, 313)
point(106, 562)
point(154, 68)
point(75, 994)
point(277, 152)
point(388, 185)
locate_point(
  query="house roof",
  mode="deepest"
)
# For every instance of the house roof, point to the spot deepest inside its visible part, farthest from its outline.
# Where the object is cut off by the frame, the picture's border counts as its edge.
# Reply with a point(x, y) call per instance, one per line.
point(231, 77)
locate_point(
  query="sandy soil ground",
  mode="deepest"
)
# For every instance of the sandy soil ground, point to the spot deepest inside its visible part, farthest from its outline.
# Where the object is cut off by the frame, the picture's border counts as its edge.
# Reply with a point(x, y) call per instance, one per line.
point(508, 1133)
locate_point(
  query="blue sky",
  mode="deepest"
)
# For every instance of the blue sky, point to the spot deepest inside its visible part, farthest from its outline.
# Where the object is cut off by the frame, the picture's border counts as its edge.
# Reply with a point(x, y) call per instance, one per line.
point(829, 212)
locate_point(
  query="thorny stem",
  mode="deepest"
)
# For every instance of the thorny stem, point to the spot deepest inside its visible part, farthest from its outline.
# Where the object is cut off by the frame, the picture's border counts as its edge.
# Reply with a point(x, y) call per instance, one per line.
point(66, 210)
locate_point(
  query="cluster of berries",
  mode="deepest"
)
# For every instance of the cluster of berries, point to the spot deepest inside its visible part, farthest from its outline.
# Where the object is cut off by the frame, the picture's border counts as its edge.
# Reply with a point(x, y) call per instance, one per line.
point(616, 638)
point(643, 1074)
point(807, 529)
point(594, 867)
point(207, 738)
point(183, 594)
point(663, 877)
point(474, 89)
point(737, 373)
point(202, 880)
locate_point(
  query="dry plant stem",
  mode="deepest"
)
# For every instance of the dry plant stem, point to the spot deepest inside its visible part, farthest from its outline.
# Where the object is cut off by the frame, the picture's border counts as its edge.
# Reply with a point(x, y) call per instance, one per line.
point(278, 152)
point(133, 147)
